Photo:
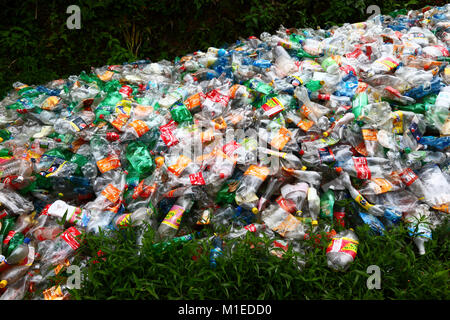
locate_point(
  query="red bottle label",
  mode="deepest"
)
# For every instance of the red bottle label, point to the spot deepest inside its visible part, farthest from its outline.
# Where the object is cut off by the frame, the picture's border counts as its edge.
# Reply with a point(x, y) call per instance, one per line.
point(197, 178)
point(408, 176)
point(362, 169)
point(70, 237)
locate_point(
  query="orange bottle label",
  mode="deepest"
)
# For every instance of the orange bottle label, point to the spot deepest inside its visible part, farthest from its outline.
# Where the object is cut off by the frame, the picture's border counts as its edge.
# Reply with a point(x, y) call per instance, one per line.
point(106, 76)
point(279, 141)
point(233, 89)
point(305, 124)
point(193, 101)
point(120, 121)
point(305, 110)
point(370, 134)
point(207, 136)
point(109, 163)
point(361, 148)
point(140, 127)
point(54, 293)
point(257, 171)
point(111, 193)
point(50, 103)
point(180, 165)
point(382, 185)
point(288, 224)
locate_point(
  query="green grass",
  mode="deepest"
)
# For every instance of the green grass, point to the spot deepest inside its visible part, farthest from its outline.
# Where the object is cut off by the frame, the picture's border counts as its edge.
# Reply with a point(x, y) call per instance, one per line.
point(256, 274)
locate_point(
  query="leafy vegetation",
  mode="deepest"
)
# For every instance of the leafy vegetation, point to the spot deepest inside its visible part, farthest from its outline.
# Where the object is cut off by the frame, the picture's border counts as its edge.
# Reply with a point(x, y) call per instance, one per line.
point(251, 272)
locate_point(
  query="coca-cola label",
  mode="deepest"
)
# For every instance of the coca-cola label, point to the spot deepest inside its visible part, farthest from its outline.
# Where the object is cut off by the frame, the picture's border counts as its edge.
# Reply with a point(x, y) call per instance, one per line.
point(216, 96)
point(168, 137)
point(69, 236)
point(3, 214)
point(250, 227)
point(362, 169)
point(171, 125)
point(285, 204)
point(9, 237)
point(230, 148)
point(126, 90)
point(355, 54)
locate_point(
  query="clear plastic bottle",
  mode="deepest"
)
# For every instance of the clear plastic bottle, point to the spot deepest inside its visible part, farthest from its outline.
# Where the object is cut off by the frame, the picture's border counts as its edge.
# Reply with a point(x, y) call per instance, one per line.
point(19, 253)
point(296, 193)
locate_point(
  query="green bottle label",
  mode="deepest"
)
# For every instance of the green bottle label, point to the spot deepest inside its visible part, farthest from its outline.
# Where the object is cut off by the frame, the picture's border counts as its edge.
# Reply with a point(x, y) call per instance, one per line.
point(180, 113)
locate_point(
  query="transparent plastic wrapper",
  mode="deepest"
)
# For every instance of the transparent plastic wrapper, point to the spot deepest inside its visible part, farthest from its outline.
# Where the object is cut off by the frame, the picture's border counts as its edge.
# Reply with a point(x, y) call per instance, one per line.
point(278, 218)
point(254, 176)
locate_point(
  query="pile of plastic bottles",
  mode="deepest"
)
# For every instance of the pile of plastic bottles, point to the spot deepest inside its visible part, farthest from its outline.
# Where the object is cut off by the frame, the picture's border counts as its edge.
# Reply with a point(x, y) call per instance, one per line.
point(279, 135)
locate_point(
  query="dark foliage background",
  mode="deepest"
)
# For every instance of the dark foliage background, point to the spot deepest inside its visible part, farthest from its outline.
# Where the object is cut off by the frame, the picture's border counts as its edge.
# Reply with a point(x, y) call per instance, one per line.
point(36, 46)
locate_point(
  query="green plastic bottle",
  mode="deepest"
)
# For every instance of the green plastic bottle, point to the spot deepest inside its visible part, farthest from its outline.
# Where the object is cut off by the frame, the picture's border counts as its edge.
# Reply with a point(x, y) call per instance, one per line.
point(416, 108)
point(7, 225)
point(180, 113)
point(327, 205)
point(15, 241)
point(224, 196)
point(303, 54)
point(80, 160)
point(139, 157)
point(360, 101)
point(5, 153)
point(314, 85)
point(4, 135)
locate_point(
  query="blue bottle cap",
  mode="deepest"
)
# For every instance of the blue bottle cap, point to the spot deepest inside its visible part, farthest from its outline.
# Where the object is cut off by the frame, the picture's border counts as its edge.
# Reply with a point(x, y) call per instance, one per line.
point(26, 240)
point(221, 52)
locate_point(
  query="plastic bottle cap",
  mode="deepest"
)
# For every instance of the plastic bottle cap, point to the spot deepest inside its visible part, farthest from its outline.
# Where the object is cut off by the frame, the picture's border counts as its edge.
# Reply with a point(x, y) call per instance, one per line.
point(26, 240)
point(303, 168)
point(255, 210)
point(325, 134)
point(222, 175)
point(60, 195)
point(314, 223)
point(3, 284)
point(298, 212)
point(407, 150)
point(338, 169)
point(302, 152)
